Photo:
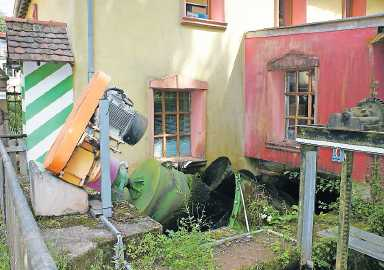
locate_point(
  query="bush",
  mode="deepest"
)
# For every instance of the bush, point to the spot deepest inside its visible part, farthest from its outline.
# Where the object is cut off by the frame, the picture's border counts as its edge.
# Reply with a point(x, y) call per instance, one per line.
point(376, 220)
point(324, 257)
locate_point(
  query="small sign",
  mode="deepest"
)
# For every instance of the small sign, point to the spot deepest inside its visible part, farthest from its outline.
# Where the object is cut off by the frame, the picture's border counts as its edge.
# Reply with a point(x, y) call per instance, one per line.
point(3, 95)
point(338, 155)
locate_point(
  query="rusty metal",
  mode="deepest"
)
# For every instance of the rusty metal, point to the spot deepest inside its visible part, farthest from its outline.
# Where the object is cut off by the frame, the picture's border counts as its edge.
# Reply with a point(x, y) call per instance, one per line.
point(368, 115)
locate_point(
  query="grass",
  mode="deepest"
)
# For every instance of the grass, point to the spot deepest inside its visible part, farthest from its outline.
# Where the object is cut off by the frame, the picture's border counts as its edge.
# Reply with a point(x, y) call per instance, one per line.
point(4, 256)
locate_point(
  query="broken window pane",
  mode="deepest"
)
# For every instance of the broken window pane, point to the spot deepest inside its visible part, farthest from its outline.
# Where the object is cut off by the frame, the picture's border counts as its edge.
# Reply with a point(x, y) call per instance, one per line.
point(313, 106)
point(291, 82)
point(171, 150)
point(158, 147)
point(303, 81)
point(170, 101)
point(170, 124)
point(158, 124)
point(303, 122)
point(185, 124)
point(303, 105)
point(291, 105)
point(185, 146)
point(157, 101)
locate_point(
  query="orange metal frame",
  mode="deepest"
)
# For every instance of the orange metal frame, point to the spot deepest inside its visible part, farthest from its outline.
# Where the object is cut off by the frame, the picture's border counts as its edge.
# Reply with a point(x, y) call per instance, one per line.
point(76, 123)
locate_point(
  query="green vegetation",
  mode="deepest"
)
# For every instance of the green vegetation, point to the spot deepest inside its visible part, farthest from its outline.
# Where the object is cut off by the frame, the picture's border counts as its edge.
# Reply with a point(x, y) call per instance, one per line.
point(4, 256)
point(2, 24)
point(179, 250)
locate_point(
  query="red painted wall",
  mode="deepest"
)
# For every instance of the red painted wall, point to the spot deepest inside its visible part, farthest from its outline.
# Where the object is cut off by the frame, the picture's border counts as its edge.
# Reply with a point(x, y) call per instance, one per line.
point(344, 80)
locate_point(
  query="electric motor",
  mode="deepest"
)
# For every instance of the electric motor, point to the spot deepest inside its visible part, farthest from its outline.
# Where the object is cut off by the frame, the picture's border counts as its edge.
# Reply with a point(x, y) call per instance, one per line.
point(124, 120)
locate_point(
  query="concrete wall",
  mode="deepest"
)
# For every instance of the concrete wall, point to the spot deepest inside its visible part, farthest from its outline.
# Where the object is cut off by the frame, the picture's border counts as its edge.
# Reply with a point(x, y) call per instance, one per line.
point(324, 10)
point(136, 41)
point(375, 6)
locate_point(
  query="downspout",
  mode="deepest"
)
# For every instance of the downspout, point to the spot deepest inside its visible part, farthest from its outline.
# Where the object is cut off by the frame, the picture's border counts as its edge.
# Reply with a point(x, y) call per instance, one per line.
point(91, 50)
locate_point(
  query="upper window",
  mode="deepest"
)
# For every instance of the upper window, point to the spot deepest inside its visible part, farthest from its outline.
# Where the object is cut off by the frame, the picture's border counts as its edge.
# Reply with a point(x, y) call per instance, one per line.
point(299, 100)
point(209, 13)
point(197, 9)
point(291, 12)
point(285, 12)
point(172, 124)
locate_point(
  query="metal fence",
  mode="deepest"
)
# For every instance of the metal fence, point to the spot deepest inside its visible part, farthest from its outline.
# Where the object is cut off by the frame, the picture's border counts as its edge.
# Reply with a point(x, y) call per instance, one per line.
point(26, 246)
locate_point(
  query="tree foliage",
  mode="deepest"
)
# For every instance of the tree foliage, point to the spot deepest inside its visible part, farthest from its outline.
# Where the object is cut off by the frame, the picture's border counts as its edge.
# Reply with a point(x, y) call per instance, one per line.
point(2, 24)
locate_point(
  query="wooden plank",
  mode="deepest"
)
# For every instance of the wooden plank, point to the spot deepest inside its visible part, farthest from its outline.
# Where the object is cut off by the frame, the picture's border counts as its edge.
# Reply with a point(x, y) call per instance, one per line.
point(16, 148)
point(349, 147)
point(361, 241)
point(370, 141)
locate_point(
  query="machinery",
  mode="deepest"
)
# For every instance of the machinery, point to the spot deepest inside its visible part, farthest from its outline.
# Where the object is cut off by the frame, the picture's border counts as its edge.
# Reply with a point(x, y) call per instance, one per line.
point(75, 154)
point(367, 115)
point(102, 119)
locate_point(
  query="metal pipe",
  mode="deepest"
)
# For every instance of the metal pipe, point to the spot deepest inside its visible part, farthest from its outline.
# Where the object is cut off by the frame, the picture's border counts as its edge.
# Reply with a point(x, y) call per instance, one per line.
point(38, 254)
point(119, 246)
point(110, 226)
point(91, 50)
point(106, 199)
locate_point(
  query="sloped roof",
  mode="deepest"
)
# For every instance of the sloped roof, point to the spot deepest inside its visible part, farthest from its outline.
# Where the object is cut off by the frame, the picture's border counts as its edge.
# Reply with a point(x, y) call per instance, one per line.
point(32, 40)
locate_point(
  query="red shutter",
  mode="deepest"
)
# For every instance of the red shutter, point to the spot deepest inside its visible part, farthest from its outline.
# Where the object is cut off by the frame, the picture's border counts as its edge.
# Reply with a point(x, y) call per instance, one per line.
point(358, 8)
point(299, 12)
point(217, 10)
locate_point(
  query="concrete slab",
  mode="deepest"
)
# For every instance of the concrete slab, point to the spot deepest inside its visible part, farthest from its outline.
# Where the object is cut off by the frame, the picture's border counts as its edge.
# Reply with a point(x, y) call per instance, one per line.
point(51, 196)
point(81, 243)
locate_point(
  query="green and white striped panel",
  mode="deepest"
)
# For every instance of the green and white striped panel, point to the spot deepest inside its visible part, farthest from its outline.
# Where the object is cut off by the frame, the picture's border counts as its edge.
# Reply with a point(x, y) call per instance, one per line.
point(48, 100)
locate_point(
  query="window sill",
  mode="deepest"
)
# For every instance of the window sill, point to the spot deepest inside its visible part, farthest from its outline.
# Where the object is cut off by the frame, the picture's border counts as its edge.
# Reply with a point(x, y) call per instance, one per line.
point(203, 22)
point(288, 146)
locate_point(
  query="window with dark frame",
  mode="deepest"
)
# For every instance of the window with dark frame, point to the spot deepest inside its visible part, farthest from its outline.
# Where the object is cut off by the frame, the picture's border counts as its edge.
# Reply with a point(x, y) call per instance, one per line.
point(285, 12)
point(172, 124)
point(299, 100)
point(197, 9)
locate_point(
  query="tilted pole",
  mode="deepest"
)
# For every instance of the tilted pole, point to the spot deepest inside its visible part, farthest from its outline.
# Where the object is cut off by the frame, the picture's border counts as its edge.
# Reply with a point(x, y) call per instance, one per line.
point(344, 212)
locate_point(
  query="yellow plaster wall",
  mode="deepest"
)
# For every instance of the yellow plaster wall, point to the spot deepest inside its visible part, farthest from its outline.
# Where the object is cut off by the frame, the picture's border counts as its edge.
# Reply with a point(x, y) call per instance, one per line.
point(139, 40)
point(324, 10)
point(375, 6)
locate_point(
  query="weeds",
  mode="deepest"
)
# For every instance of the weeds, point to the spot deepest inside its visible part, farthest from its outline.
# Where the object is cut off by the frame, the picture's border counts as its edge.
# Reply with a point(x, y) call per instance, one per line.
point(4, 255)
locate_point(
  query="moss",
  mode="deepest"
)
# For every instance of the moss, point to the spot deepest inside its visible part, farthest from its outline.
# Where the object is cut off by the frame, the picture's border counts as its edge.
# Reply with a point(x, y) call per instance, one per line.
point(67, 221)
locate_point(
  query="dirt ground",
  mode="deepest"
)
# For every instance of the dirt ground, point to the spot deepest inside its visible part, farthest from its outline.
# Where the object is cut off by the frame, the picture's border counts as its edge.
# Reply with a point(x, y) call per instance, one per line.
point(244, 253)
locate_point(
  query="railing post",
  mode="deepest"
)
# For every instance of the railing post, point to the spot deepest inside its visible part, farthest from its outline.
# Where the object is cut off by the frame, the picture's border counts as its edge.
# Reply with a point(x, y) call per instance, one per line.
point(307, 204)
point(344, 212)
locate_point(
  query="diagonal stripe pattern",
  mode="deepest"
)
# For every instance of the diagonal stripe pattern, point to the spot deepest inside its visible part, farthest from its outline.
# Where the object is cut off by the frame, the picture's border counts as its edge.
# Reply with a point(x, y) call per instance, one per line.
point(47, 102)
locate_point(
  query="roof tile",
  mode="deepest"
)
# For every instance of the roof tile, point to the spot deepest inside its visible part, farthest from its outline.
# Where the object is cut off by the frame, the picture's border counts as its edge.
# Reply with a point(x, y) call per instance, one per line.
point(31, 40)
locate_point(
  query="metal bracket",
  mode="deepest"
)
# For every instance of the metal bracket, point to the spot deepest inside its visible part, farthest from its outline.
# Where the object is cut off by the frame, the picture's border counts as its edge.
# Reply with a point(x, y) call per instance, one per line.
point(338, 155)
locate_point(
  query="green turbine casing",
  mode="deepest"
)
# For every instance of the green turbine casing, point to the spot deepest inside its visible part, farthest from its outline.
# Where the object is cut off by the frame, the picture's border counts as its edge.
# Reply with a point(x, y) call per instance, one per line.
point(159, 192)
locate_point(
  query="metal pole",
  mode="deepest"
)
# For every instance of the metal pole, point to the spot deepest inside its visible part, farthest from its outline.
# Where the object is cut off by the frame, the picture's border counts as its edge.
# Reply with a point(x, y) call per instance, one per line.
point(106, 200)
point(344, 212)
point(307, 205)
point(91, 60)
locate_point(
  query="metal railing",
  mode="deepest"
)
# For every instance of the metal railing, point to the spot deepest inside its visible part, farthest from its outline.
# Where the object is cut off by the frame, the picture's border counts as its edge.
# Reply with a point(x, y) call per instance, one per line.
point(26, 246)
